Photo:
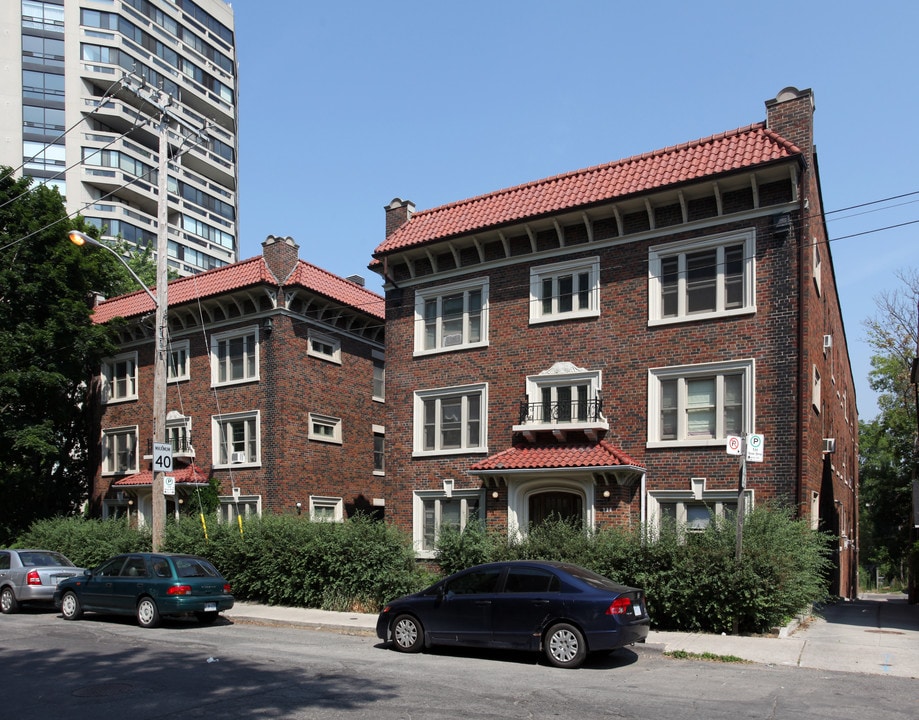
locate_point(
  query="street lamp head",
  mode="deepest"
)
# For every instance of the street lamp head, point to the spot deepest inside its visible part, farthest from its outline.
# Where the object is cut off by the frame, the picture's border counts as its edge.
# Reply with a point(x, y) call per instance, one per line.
point(80, 239)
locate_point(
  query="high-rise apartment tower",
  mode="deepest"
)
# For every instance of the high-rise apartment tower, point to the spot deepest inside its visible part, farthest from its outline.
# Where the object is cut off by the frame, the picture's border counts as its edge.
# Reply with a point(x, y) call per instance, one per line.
point(68, 118)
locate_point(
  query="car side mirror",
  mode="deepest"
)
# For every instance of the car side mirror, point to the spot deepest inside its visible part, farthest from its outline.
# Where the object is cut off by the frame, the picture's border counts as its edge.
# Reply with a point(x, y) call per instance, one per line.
point(88, 573)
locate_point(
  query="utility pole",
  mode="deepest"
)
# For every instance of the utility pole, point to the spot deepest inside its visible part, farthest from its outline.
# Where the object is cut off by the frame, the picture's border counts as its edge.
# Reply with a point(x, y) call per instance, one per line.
point(161, 102)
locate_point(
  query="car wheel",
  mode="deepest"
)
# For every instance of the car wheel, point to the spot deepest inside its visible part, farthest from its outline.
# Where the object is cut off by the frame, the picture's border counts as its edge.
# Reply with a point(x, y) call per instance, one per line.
point(8, 602)
point(407, 634)
point(206, 618)
point(70, 606)
point(147, 614)
point(564, 646)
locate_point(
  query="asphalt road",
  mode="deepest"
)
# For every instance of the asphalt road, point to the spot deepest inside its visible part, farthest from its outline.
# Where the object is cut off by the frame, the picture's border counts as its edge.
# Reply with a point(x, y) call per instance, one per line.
point(110, 668)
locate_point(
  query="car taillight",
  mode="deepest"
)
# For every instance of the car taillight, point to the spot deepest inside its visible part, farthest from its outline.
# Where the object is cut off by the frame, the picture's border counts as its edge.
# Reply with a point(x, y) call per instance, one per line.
point(179, 590)
point(619, 606)
point(226, 588)
point(33, 578)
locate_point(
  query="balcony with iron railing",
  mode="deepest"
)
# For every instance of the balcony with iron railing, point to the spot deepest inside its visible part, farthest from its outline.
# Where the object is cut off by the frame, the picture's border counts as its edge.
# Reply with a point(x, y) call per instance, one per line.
point(561, 417)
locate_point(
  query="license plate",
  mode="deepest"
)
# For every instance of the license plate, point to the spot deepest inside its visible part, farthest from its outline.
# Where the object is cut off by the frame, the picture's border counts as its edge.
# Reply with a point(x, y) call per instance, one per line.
point(637, 609)
point(209, 607)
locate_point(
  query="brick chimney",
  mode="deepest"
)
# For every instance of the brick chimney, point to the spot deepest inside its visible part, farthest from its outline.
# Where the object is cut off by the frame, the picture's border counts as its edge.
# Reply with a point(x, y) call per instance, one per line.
point(398, 212)
point(791, 115)
point(281, 256)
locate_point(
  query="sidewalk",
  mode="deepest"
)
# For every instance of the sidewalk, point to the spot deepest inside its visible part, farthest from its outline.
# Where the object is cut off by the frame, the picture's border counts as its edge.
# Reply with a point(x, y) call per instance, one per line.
point(877, 634)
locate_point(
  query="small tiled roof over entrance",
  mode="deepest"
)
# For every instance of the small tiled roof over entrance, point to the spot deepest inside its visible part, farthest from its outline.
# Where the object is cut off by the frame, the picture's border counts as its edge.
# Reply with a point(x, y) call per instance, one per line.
point(739, 149)
point(535, 456)
point(188, 475)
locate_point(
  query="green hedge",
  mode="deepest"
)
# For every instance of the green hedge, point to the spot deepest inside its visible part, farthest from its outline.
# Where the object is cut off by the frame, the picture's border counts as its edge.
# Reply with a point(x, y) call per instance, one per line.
point(279, 560)
point(691, 579)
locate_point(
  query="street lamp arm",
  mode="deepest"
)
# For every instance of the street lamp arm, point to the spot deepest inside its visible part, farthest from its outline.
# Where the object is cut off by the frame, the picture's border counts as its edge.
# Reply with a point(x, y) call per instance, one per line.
point(79, 239)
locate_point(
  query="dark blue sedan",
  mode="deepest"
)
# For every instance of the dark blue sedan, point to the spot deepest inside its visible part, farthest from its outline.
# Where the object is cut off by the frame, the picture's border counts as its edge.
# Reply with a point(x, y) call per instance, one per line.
point(148, 586)
point(564, 610)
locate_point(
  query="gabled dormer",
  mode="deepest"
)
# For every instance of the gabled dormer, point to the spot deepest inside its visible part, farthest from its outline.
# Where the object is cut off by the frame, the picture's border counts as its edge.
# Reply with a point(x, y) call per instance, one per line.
point(562, 400)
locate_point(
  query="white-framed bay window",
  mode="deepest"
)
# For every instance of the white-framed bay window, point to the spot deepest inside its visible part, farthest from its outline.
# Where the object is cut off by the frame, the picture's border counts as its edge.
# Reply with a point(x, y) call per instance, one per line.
point(120, 375)
point(451, 317)
point(451, 420)
point(234, 356)
point(565, 290)
point(119, 450)
point(434, 510)
point(700, 404)
point(702, 278)
point(236, 439)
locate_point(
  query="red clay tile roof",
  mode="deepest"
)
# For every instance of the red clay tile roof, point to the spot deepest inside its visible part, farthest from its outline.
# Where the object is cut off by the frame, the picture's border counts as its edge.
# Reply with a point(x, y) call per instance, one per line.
point(189, 475)
point(246, 273)
point(527, 456)
point(742, 148)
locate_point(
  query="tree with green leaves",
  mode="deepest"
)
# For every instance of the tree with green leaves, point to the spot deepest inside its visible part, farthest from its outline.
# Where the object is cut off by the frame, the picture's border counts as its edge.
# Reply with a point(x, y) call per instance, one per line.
point(50, 351)
point(888, 444)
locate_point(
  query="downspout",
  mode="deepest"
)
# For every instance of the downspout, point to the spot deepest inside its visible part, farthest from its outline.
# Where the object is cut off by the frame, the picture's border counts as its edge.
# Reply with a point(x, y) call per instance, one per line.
point(803, 383)
point(643, 512)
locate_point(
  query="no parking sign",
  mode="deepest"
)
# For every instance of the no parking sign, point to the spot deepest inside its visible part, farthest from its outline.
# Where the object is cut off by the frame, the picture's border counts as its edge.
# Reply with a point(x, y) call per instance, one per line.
point(734, 445)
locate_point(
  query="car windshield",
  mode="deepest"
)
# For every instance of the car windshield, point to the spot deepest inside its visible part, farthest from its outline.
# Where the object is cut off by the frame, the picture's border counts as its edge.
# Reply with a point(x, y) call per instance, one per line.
point(44, 559)
point(194, 567)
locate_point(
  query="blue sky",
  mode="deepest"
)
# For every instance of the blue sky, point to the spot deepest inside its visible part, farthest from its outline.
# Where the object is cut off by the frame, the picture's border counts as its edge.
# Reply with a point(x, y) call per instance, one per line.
point(345, 105)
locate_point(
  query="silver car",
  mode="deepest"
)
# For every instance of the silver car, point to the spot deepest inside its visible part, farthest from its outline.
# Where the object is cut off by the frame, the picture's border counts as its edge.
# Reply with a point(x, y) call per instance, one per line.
point(31, 576)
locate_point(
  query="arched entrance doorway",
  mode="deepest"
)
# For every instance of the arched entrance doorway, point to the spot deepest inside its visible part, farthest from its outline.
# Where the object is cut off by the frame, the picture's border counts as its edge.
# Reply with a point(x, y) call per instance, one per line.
point(556, 505)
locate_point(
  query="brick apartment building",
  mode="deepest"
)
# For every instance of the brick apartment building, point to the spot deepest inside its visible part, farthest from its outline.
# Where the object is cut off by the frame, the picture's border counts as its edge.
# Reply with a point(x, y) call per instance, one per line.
point(275, 388)
point(583, 345)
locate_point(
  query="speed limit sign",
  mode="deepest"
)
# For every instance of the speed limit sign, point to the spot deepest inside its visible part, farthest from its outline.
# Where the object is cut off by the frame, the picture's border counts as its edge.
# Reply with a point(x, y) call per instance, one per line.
point(162, 457)
point(734, 445)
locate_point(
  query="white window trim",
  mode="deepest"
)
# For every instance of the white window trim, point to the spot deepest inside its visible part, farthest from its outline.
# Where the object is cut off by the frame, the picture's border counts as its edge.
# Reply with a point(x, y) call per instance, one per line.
point(106, 451)
point(217, 423)
point(227, 511)
point(655, 375)
point(590, 265)
point(418, 419)
point(380, 357)
point(421, 296)
point(216, 338)
point(817, 266)
point(178, 346)
point(328, 421)
point(333, 357)
point(816, 389)
point(657, 253)
point(418, 498)
point(108, 368)
point(682, 498)
point(379, 430)
point(336, 503)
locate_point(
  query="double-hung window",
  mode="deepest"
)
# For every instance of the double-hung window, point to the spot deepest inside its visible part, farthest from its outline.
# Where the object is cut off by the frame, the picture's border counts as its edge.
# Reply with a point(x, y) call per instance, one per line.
point(451, 317)
point(120, 374)
point(234, 356)
point(379, 377)
point(379, 450)
point(451, 420)
point(177, 361)
point(326, 509)
point(699, 404)
point(565, 290)
point(119, 451)
point(236, 439)
point(435, 510)
point(711, 277)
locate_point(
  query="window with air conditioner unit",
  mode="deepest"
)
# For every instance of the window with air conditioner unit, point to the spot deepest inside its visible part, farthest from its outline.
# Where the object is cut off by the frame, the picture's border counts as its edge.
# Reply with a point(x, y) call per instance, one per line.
point(829, 445)
point(827, 342)
point(235, 438)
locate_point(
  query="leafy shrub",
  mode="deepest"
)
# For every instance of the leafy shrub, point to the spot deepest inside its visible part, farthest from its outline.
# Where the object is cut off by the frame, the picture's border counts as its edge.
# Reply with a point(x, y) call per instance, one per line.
point(87, 543)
